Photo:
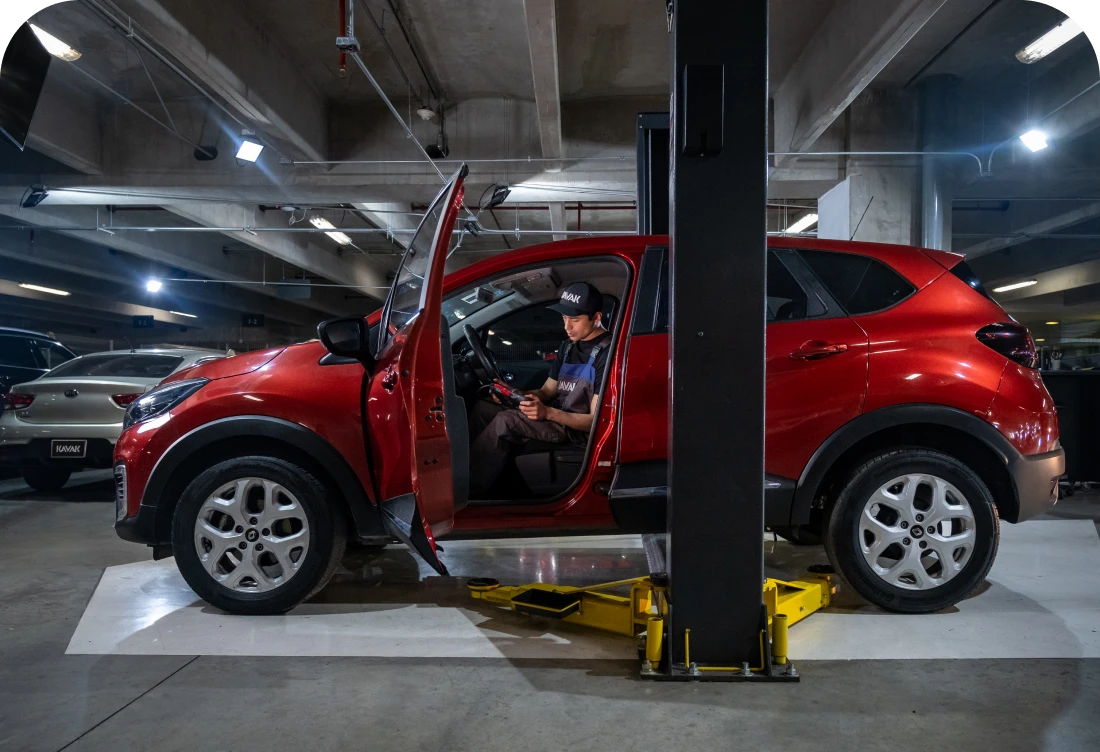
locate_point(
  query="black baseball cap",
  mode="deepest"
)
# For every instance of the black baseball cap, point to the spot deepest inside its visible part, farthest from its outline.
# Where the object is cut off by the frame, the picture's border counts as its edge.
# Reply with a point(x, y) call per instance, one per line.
point(579, 299)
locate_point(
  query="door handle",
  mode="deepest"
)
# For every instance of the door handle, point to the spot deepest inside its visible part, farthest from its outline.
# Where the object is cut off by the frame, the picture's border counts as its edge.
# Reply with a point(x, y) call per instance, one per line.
point(389, 379)
point(815, 351)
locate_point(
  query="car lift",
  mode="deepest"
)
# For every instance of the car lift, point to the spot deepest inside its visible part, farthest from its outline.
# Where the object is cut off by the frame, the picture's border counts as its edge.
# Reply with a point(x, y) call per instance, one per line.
point(711, 610)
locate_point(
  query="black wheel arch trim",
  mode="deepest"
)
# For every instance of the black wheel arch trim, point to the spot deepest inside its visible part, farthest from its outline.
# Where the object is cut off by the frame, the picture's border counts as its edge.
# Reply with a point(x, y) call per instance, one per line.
point(848, 435)
point(368, 521)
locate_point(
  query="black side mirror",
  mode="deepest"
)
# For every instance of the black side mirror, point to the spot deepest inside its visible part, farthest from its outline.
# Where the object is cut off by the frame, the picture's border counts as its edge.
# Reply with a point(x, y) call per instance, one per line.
point(346, 337)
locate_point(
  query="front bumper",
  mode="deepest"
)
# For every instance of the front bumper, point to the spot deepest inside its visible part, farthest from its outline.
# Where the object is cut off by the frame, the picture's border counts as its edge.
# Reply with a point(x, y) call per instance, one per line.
point(1036, 477)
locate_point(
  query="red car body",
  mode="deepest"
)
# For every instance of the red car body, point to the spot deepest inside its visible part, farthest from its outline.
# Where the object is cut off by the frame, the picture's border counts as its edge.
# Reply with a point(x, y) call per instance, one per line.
point(914, 373)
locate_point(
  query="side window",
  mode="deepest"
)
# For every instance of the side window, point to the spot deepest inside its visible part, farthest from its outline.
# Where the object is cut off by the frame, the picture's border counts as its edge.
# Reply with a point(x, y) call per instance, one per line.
point(530, 335)
point(16, 352)
point(49, 354)
point(859, 283)
point(787, 301)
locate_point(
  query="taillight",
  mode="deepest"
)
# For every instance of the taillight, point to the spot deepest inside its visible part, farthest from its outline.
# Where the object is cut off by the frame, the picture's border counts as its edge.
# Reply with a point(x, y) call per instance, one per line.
point(17, 401)
point(124, 400)
point(1011, 340)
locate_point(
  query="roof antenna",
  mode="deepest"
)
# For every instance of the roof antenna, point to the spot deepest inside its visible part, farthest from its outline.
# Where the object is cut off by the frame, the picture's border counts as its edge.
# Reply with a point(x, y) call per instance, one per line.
point(131, 344)
point(861, 219)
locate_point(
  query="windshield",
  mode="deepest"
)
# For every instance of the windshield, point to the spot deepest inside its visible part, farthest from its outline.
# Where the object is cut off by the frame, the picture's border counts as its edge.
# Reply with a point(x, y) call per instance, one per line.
point(137, 365)
point(470, 301)
point(407, 294)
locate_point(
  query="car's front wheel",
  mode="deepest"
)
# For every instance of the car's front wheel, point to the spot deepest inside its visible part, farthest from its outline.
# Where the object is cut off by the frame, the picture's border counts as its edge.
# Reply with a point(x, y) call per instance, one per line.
point(257, 535)
point(913, 531)
point(46, 478)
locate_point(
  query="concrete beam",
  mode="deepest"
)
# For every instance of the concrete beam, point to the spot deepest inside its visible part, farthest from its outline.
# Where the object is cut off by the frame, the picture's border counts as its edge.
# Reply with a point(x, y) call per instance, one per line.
point(1057, 280)
point(67, 129)
point(1021, 235)
point(95, 303)
point(232, 56)
point(855, 42)
point(542, 38)
point(201, 256)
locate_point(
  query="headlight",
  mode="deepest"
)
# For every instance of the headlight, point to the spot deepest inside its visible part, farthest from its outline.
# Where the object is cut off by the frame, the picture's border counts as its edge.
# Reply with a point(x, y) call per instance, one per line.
point(160, 400)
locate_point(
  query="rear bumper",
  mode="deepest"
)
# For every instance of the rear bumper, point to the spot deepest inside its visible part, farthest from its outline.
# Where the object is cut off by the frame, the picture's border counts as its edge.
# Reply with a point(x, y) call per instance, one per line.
point(1035, 477)
point(36, 453)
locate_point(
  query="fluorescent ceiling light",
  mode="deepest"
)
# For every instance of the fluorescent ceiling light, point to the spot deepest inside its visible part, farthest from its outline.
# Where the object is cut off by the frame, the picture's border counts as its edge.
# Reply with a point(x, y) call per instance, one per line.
point(323, 224)
point(55, 46)
point(186, 315)
point(154, 285)
point(802, 224)
point(1016, 285)
point(40, 288)
point(249, 151)
point(1049, 42)
point(1040, 339)
point(506, 342)
point(1035, 140)
point(1052, 323)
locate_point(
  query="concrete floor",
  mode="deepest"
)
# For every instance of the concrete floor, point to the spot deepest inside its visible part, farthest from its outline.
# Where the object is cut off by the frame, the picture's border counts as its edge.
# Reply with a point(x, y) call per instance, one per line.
point(53, 549)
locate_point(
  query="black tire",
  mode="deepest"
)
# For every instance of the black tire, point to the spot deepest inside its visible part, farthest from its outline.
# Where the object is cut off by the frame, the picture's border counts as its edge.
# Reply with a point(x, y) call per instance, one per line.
point(327, 529)
point(842, 539)
point(47, 479)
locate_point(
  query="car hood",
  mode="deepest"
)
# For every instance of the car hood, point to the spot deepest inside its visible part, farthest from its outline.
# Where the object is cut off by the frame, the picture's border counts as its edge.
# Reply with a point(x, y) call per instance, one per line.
point(224, 368)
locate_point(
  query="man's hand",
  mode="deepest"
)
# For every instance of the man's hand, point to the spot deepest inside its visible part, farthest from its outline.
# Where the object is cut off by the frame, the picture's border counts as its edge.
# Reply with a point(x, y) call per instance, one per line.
point(534, 408)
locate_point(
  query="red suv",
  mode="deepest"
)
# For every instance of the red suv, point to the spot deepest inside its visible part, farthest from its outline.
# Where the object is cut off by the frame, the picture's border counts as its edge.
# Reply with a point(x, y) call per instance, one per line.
point(905, 416)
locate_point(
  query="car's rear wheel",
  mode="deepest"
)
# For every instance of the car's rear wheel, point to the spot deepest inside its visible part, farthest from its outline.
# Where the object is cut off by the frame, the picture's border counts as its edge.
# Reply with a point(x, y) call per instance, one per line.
point(913, 531)
point(257, 535)
point(46, 478)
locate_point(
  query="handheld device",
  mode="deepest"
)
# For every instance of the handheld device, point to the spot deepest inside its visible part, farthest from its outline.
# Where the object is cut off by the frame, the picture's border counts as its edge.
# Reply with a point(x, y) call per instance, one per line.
point(507, 395)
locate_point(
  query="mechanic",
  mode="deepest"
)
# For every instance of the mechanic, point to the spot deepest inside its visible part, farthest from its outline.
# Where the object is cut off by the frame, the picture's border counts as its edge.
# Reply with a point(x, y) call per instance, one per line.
point(560, 411)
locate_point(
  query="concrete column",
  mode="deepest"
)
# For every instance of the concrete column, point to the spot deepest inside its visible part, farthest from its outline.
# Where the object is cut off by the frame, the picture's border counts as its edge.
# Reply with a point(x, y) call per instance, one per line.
point(938, 126)
point(879, 199)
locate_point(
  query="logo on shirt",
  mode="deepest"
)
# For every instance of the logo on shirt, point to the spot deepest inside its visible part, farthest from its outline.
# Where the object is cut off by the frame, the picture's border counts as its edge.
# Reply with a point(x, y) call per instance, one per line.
point(567, 386)
point(571, 297)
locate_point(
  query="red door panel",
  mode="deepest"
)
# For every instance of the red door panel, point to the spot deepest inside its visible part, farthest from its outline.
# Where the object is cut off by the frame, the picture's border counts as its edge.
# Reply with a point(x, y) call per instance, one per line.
point(405, 406)
point(643, 434)
point(816, 382)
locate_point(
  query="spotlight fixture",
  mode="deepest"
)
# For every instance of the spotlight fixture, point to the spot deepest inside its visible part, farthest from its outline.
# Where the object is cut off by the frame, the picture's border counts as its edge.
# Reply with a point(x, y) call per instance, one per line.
point(802, 224)
point(154, 285)
point(40, 288)
point(55, 46)
point(1035, 140)
point(1049, 42)
point(323, 224)
point(1016, 285)
point(249, 151)
point(34, 196)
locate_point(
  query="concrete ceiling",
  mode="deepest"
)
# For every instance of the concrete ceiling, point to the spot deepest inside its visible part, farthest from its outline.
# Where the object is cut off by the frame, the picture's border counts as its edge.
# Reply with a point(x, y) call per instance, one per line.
point(525, 79)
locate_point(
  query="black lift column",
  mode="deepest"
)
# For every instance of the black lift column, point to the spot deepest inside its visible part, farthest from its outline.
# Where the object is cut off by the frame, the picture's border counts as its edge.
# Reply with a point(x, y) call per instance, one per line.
point(716, 455)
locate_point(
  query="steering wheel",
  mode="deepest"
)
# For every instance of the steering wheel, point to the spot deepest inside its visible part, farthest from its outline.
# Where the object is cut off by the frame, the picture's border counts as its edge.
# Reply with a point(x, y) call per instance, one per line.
point(488, 362)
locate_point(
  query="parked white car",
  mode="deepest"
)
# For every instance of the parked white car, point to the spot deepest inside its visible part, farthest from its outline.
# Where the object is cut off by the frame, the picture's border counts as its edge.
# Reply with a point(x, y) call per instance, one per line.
point(70, 418)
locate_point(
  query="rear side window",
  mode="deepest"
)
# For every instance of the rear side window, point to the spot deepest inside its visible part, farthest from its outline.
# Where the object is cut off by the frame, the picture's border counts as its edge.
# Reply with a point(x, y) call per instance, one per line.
point(16, 352)
point(859, 283)
point(963, 271)
point(50, 354)
point(137, 365)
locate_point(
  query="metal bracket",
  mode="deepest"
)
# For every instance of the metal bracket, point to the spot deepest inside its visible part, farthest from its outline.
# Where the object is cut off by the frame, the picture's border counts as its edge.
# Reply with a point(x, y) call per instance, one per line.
point(347, 44)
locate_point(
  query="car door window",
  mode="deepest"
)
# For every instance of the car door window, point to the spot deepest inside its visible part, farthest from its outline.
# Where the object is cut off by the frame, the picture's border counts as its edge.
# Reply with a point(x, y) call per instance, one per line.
point(50, 354)
point(16, 352)
point(860, 284)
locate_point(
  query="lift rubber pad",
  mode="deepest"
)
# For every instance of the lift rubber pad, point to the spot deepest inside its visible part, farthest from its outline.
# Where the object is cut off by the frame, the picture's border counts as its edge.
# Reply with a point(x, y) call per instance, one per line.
point(546, 603)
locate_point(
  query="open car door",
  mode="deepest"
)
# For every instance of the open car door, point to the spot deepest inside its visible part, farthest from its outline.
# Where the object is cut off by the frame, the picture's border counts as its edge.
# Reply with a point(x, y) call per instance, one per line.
point(412, 412)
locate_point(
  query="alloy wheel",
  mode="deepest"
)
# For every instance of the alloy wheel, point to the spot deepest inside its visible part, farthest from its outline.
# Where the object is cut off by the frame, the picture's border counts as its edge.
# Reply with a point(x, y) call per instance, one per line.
point(251, 535)
point(917, 531)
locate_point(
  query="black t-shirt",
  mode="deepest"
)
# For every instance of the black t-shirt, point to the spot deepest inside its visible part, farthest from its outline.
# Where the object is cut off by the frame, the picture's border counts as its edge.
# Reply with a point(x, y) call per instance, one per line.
point(580, 352)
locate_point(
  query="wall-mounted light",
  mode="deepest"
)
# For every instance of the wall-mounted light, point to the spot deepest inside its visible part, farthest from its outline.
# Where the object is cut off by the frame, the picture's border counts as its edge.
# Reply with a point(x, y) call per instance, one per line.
point(1016, 285)
point(40, 288)
point(1035, 140)
point(323, 224)
point(1049, 42)
point(802, 224)
point(55, 46)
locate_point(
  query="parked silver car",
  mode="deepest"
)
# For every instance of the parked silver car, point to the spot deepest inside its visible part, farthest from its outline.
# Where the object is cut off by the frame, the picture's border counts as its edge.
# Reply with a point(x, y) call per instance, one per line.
point(70, 418)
